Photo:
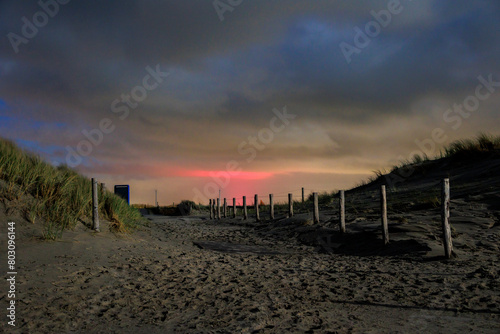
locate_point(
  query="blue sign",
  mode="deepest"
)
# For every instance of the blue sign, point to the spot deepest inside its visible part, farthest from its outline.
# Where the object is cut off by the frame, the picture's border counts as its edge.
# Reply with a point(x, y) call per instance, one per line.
point(124, 192)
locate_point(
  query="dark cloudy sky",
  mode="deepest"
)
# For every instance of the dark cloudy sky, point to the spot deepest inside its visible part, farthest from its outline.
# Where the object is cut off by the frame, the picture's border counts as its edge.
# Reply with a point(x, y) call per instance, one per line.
point(357, 95)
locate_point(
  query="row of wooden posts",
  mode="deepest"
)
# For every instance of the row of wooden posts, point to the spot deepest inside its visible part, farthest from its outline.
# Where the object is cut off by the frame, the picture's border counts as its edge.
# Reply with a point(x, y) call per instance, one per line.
point(215, 212)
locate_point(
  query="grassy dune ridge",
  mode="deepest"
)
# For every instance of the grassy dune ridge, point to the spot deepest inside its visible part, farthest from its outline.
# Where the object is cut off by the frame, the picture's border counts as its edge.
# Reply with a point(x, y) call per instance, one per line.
point(460, 152)
point(58, 195)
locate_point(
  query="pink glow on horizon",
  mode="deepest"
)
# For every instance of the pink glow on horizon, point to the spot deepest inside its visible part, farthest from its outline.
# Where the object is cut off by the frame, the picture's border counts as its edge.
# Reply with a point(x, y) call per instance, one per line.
point(232, 174)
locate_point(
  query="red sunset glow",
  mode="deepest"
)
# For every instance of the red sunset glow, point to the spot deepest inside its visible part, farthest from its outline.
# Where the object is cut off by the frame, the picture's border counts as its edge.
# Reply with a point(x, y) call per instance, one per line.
point(241, 175)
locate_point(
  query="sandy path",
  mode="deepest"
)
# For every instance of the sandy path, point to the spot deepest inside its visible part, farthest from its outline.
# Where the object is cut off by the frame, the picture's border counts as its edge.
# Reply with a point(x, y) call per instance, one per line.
point(161, 282)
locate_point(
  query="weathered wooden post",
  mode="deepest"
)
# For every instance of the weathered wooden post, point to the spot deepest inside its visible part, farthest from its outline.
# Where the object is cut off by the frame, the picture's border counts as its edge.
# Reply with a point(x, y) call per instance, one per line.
point(383, 210)
point(316, 208)
point(218, 208)
point(95, 206)
point(215, 208)
point(303, 196)
point(290, 205)
point(257, 214)
point(225, 208)
point(342, 211)
point(211, 209)
point(271, 205)
point(234, 207)
point(245, 211)
point(445, 215)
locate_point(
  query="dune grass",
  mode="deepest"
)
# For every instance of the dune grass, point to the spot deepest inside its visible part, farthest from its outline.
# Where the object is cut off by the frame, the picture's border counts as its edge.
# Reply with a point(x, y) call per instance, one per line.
point(61, 196)
point(472, 147)
point(460, 150)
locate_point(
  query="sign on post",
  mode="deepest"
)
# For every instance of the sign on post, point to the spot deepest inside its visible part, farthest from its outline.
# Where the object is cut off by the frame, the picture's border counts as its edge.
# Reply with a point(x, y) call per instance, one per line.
point(124, 192)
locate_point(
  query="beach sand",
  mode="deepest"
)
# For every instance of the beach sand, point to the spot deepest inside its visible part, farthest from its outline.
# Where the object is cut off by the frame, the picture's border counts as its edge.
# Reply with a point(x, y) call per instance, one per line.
point(192, 274)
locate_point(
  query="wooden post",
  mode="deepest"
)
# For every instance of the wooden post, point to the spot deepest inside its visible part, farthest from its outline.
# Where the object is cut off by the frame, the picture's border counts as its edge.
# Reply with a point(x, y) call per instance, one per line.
point(214, 209)
point(316, 208)
point(218, 208)
point(383, 210)
point(342, 211)
point(257, 214)
point(95, 206)
point(211, 209)
point(234, 207)
point(225, 208)
point(445, 215)
point(290, 205)
point(271, 205)
point(245, 211)
point(303, 196)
